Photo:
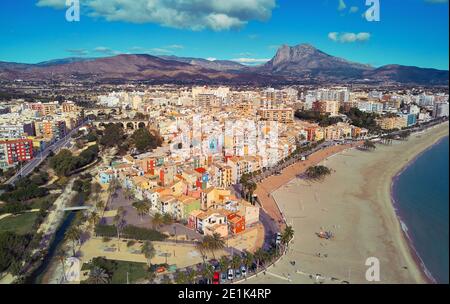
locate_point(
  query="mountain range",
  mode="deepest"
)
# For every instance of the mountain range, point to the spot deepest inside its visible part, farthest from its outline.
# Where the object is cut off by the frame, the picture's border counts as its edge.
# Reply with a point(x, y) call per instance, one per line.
point(298, 64)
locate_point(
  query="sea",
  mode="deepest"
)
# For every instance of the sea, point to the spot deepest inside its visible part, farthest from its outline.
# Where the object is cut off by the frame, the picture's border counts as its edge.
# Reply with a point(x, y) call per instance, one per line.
point(421, 199)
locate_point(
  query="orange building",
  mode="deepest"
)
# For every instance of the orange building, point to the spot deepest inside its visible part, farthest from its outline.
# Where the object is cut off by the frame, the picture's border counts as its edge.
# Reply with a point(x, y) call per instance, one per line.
point(236, 223)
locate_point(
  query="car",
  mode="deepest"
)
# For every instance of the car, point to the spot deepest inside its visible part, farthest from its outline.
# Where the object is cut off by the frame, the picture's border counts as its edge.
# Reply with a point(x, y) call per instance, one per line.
point(230, 274)
point(223, 278)
point(278, 238)
point(216, 278)
point(244, 271)
point(237, 273)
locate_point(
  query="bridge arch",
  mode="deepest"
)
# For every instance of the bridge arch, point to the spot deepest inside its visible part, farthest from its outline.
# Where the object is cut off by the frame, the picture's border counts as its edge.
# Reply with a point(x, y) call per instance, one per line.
point(130, 126)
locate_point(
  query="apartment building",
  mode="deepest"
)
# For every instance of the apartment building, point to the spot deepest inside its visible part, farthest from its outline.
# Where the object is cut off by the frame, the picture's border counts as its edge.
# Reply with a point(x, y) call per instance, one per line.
point(284, 115)
point(14, 151)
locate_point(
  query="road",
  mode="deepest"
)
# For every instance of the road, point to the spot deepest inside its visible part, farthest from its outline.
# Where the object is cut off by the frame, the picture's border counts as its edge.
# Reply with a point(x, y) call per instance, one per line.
point(40, 157)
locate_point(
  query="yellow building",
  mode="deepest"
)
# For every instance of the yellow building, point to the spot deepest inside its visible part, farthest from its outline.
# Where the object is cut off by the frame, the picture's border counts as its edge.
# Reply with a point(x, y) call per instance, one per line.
point(281, 115)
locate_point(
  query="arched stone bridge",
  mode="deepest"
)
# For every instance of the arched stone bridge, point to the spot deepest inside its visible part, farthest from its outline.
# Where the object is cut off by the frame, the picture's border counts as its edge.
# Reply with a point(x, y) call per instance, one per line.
point(127, 124)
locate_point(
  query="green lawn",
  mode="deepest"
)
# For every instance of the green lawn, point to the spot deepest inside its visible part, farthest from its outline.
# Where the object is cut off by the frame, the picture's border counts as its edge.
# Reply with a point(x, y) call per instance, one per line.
point(136, 271)
point(20, 224)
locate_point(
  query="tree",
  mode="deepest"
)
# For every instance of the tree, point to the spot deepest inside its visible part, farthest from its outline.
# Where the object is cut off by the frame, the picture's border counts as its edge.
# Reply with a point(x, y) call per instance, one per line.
point(63, 163)
point(369, 145)
point(259, 257)
point(112, 136)
point(167, 219)
point(208, 272)
point(157, 220)
point(148, 251)
point(181, 278)
point(317, 172)
point(144, 140)
point(119, 222)
point(287, 235)
point(74, 235)
point(94, 218)
point(202, 247)
point(98, 276)
point(142, 208)
point(224, 263)
point(217, 243)
point(236, 261)
point(248, 259)
point(212, 243)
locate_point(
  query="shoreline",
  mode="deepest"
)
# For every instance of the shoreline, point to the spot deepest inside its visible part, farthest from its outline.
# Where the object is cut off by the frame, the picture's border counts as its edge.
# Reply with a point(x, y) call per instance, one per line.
point(355, 202)
point(428, 276)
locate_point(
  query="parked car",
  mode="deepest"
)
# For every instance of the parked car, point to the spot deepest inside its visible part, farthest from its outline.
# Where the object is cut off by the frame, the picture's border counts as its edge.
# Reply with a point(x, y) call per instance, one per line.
point(244, 271)
point(278, 238)
point(216, 278)
point(237, 273)
point(223, 278)
point(230, 274)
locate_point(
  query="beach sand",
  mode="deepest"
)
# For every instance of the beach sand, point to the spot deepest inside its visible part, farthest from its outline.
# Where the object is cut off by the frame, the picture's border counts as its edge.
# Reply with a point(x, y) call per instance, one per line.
point(354, 203)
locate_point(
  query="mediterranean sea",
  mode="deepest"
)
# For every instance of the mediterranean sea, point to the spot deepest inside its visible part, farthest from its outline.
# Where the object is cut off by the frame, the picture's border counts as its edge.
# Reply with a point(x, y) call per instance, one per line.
point(421, 195)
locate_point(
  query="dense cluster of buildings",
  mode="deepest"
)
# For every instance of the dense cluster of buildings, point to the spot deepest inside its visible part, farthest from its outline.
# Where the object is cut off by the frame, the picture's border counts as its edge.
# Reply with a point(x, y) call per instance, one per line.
point(26, 128)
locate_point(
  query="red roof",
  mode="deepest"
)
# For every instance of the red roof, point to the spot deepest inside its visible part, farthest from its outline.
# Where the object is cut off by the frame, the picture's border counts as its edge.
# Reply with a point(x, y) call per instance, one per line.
point(200, 170)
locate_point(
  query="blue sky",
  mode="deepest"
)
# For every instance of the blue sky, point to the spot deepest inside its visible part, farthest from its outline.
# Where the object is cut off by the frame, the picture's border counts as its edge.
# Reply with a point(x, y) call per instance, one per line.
point(410, 32)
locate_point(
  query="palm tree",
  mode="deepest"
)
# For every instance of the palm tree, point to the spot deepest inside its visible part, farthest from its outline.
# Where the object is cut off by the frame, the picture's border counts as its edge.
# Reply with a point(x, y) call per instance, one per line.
point(259, 257)
point(368, 145)
point(113, 186)
point(202, 247)
point(74, 235)
point(236, 261)
point(167, 219)
point(148, 251)
point(190, 276)
point(142, 208)
point(61, 254)
point(249, 258)
point(217, 243)
point(94, 218)
point(157, 220)
point(98, 276)
point(208, 272)
point(100, 206)
point(224, 263)
point(119, 222)
point(287, 235)
point(181, 278)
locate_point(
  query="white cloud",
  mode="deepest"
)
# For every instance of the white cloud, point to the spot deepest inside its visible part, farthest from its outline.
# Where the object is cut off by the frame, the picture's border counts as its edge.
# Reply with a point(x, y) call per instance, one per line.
point(175, 46)
point(250, 61)
point(349, 37)
point(106, 51)
point(333, 36)
point(159, 51)
point(211, 59)
point(195, 14)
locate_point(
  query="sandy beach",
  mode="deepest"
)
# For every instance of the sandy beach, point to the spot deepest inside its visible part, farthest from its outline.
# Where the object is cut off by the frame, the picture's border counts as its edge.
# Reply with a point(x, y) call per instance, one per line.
point(355, 204)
